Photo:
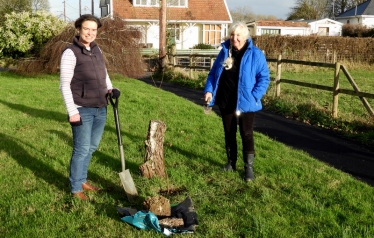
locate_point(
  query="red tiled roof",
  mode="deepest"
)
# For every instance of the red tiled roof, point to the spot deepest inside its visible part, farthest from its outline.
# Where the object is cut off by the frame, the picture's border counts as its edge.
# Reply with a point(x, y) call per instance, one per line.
point(198, 10)
point(280, 23)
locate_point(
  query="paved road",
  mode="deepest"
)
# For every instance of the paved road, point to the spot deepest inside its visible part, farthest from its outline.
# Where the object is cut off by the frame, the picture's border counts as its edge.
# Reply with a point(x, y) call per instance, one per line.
point(324, 145)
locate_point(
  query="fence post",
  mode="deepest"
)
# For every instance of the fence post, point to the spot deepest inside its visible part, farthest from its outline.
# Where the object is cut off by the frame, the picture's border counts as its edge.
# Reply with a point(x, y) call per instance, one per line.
point(173, 53)
point(211, 62)
point(336, 91)
point(278, 76)
point(191, 62)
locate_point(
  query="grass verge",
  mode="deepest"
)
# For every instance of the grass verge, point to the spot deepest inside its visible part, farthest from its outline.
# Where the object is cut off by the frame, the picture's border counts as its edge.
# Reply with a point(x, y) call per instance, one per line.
point(293, 195)
point(311, 106)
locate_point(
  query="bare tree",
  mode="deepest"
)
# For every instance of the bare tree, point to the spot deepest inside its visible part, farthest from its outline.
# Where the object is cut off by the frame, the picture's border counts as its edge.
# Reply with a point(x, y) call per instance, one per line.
point(317, 9)
point(242, 14)
point(38, 5)
point(337, 7)
point(309, 10)
point(246, 14)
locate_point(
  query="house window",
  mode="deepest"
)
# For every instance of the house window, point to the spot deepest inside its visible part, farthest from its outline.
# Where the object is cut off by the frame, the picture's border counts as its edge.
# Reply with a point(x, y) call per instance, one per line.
point(270, 31)
point(149, 3)
point(177, 3)
point(152, 3)
point(212, 34)
point(173, 33)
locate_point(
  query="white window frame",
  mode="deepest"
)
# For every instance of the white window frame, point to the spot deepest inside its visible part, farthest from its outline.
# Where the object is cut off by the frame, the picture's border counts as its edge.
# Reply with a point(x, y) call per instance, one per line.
point(267, 31)
point(211, 29)
point(156, 3)
point(176, 31)
point(146, 3)
point(177, 3)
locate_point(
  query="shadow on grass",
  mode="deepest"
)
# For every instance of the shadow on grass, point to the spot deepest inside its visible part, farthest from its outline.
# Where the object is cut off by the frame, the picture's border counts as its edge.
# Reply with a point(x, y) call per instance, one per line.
point(18, 151)
point(321, 143)
point(37, 113)
point(53, 177)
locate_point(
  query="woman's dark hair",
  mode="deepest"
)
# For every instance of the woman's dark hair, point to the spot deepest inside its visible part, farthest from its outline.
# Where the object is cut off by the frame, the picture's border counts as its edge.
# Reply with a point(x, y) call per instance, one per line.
point(86, 17)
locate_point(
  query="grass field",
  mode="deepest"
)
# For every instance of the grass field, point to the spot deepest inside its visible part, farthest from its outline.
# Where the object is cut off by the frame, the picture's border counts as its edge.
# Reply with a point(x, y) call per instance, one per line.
point(293, 195)
point(312, 106)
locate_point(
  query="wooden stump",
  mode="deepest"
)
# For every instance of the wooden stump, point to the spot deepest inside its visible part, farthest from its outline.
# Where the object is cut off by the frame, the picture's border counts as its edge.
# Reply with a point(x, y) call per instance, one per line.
point(154, 156)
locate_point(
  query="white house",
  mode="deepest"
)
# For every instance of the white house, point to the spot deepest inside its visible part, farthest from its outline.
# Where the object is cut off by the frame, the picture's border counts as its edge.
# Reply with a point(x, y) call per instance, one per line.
point(189, 22)
point(325, 27)
point(267, 27)
point(361, 14)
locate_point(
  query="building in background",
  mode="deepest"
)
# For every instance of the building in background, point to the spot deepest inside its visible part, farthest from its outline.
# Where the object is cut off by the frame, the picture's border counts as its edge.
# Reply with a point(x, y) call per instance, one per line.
point(323, 27)
point(267, 27)
point(361, 14)
point(189, 22)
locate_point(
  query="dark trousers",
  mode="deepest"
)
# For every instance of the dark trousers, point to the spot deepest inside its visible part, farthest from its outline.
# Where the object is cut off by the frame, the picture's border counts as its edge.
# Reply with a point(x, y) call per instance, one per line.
point(246, 122)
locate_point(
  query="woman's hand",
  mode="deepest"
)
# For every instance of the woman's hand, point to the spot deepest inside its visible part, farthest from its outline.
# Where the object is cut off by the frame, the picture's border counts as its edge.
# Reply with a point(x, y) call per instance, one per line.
point(208, 97)
point(75, 118)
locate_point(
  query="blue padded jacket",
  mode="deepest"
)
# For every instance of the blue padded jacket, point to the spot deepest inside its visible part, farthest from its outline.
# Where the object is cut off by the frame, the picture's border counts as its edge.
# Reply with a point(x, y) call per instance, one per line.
point(254, 77)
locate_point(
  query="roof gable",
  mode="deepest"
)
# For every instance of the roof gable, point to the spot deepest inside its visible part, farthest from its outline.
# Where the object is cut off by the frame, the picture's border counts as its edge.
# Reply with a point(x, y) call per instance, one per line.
point(198, 10)
point(365, 8)
point(322, 21)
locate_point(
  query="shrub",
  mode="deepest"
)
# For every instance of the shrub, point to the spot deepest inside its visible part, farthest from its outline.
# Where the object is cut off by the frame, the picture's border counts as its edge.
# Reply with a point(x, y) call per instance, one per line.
point(23, 34)
point(203, 46)
point(356, 30)
point(117, 41)
point(181, 77)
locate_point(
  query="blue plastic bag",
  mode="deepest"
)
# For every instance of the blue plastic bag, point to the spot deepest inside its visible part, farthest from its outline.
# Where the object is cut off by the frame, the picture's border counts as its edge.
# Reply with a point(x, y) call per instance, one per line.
point(144, 220)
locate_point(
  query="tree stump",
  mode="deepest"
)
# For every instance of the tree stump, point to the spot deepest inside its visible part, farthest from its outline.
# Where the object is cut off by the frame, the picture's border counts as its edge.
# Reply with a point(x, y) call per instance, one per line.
point(154, 156)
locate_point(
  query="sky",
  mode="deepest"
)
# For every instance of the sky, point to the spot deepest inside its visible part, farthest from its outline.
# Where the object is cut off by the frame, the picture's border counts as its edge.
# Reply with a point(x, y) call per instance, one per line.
point(278, 8)
point(72, 8)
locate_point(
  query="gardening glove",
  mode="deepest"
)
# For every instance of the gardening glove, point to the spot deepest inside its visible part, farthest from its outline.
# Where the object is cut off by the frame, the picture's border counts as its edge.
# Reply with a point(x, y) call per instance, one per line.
point(115, 93)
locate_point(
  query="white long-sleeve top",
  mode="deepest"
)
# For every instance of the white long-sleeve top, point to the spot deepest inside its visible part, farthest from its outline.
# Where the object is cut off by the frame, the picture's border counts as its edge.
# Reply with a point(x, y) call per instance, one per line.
point(67, 66)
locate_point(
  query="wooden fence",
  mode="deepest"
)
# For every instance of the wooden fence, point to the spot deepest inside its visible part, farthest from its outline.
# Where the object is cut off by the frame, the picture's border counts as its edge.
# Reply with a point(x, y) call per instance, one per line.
point(191, 59)
point(335, 89)
point(203, 60)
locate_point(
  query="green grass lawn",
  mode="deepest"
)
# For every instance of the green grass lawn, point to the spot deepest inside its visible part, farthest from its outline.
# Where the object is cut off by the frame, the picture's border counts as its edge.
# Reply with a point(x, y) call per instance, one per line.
point(312, 106)
point(293, 195)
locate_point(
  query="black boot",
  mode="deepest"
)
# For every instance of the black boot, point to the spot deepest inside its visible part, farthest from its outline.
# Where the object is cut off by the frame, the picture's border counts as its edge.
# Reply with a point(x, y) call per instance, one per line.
point(248, 167)
point(231, 160)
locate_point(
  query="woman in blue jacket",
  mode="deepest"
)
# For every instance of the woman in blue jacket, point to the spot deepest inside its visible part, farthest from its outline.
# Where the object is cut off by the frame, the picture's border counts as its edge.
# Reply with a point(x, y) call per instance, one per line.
point(236, 83)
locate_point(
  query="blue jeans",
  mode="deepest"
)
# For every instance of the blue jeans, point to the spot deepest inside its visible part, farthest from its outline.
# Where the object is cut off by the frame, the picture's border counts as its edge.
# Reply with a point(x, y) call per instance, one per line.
point(86, 139)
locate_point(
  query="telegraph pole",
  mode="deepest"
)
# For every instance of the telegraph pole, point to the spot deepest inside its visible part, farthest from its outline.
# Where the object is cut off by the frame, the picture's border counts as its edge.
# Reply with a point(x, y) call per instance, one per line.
point(333, 9)
point(64, 11)
point(92, 7)
point(162, 45)
point(80, 7)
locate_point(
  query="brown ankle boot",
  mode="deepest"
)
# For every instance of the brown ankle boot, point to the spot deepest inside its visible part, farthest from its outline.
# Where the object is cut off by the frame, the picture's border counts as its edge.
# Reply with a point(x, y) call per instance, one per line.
point(80, 195)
